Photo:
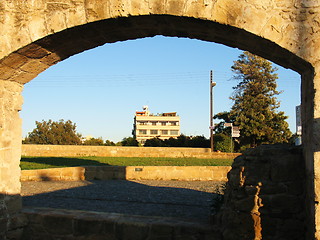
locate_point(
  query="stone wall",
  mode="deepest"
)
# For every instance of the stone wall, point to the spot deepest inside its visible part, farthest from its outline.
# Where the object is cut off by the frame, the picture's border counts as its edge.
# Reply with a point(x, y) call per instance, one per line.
point(187, 173)
point(107, 151)
point(46, 223)
point(265, 195)
point(10, 152)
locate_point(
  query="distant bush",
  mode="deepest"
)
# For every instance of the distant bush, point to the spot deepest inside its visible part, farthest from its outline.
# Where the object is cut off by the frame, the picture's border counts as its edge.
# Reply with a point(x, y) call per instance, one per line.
point(181, 141)
point(222, 142)
point(154, 142)
point(94, 142)
point(109, 143)
point(199, 141)
point(129, 141)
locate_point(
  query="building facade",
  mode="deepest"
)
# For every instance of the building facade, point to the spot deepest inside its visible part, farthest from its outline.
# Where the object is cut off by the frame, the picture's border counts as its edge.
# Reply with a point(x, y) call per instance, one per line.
point(163, 126)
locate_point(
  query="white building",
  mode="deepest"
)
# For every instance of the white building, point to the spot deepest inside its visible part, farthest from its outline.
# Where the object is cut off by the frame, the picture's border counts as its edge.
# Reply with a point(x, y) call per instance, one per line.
point(163, 126)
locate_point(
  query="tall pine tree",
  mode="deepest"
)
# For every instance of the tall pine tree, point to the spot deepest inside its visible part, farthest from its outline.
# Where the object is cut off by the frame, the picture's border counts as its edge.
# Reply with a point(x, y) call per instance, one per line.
point(255, 103)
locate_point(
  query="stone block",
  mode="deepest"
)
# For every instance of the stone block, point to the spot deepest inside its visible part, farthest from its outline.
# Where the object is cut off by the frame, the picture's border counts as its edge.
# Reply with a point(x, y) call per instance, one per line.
point(13, 203)
point(15, 234)
point(292, 229)
point(295, 187)
point(131, 231)
point(83, 227)
point(56, 21)
point(3, 225)
point(288, 168)
point(24, 77)
point(245, 205)
point(72, 174)
point(273, 188)
point(240, 226)
point(282, 203)
point(157, 229)
point(34, 66)
point(90, 173)
point(157, 6)
point(110, 228)
point(256, 172)
point(18, 221)
point(234, 177)
point(188, 232)
point(119, 173)
point(14, 60)
point(8, 72)
point(269, 226)
point(57, 224)
point(238, 162)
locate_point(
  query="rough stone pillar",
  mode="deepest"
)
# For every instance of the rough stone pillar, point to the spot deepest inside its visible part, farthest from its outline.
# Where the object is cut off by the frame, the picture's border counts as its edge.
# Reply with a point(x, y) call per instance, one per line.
point(311, 145)
point(10, 154)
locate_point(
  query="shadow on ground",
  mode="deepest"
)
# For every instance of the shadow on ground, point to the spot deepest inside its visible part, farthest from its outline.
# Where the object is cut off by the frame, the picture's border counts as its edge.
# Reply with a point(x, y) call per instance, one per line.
point(62, 162)
point(147, 198)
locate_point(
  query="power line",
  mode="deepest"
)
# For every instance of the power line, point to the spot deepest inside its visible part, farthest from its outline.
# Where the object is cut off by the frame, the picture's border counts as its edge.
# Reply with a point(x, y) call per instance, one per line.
point(145, 79)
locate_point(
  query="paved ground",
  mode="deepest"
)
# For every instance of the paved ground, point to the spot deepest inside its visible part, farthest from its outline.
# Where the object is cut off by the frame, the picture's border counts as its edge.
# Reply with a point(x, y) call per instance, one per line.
point(181, 199)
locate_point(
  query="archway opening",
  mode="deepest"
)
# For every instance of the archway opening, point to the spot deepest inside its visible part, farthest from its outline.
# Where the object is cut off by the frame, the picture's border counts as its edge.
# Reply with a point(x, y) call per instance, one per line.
point(117, 84)
point(164, 73)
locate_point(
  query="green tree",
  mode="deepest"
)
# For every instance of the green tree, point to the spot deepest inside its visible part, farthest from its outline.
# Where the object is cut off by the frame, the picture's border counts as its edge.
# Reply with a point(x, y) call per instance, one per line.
point(255, 103)
point(199, 142)
point(129, 141)
point(109, 143)
point(54, 132)
point(222, 142)
point(181, 141)
point(225, 117)
point(94, 142)
point(154, 142)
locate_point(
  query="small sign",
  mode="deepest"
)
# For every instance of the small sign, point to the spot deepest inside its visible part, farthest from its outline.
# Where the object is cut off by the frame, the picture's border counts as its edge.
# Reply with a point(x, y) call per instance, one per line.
point(235, 132)
point(298, 120)
point(228, 124)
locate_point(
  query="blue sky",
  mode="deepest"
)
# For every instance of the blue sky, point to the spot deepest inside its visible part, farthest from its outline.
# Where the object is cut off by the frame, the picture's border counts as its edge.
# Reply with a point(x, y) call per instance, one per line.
point(101, 89)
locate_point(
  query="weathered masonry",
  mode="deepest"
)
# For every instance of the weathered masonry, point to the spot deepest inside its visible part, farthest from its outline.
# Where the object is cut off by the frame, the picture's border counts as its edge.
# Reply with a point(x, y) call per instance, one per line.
point(37, 34)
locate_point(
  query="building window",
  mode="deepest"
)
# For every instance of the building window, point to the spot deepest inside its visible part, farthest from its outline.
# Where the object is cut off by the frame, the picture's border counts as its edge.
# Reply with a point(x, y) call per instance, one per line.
point(153, 132)
point(164, 132)
point(142, 123)
point(154, 123)
point(174, 123)
point(143, 132)
point(174, 132)
point(163, 123)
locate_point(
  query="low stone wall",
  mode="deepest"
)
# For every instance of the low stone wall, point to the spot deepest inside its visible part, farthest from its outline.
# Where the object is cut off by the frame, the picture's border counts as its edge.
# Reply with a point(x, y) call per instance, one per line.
point(182, 173)
point(109, 151)
point(265, 195)
point(46, 223)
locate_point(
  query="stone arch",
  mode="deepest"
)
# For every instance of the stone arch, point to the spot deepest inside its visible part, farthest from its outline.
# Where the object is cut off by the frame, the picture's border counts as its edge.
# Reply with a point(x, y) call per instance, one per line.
point(27, 62)
point(41, 33)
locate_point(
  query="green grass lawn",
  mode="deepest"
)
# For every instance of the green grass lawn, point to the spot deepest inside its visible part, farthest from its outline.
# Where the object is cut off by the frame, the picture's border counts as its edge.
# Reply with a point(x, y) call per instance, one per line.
point(54, 162)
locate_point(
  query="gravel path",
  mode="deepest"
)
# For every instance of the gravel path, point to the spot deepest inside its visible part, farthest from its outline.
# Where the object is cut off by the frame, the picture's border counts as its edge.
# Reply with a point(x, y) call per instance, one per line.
point(181, 199)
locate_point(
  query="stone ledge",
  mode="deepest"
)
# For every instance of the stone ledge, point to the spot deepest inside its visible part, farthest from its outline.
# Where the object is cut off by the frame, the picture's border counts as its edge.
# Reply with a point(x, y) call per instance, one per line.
point(181, 173)
point(75, 224)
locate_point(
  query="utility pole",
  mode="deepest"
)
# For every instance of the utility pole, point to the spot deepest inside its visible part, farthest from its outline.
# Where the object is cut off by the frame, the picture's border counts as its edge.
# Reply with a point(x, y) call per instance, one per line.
point(212, 84)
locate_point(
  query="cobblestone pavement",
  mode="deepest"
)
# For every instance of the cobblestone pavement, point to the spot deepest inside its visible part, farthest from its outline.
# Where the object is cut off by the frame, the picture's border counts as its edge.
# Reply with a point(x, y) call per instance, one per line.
point(190, 200)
